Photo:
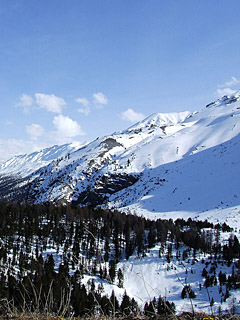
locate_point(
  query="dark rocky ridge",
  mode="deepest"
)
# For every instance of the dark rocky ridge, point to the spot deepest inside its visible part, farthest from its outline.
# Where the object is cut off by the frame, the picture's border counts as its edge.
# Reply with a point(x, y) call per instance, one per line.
point(108, 185)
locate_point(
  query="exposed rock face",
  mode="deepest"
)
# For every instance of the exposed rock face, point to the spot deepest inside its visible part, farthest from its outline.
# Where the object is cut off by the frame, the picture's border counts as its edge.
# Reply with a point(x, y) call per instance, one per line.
point(110, 143)
point(100, 191)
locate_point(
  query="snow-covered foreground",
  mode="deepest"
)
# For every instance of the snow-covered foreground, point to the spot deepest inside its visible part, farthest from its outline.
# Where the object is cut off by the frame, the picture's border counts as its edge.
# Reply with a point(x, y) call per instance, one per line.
point(168, 166)
point(152, 276)
point(165, 257)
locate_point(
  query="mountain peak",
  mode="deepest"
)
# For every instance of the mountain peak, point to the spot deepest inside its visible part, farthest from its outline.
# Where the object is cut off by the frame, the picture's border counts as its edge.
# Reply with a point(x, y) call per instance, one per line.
point(161, 165)
point(160, 119)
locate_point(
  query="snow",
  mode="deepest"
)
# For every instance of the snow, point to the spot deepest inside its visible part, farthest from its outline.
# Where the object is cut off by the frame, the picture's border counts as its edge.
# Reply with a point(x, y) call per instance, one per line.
point(160, 119)
point(152, 276)
point(25, 164)
point(188, 165)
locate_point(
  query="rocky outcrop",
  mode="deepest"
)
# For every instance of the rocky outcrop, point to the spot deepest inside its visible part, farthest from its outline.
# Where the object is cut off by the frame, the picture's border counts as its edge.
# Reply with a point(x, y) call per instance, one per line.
point(104, 187)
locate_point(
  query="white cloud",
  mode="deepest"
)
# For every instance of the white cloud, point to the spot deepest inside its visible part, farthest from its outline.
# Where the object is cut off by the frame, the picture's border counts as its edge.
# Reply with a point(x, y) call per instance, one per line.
point(228, 88)
point(234, 81)
point(84, 110)
point(132, 116)
point(100, 99)
point(25, 102)
point(85, 106)
point(50, 102)
point(66, 128)
point(83, 101)
point(35, 131)
point(225, 92)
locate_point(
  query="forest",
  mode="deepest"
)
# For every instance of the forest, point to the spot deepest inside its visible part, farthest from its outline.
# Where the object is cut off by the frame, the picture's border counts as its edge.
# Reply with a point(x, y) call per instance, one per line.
point(91, 241)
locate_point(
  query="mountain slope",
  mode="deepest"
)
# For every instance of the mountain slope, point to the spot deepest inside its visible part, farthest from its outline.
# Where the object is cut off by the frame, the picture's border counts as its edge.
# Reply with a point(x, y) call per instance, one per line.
point(14, 172)
point(25, 164)
point(177, 165)
point(166, 165)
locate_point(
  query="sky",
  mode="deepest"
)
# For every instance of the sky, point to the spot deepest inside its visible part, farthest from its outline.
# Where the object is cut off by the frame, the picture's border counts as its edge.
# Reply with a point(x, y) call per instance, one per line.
point(74, 70)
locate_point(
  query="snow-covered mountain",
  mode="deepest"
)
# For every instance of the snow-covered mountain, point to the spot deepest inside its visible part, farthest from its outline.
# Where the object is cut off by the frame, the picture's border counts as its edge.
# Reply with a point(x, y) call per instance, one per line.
point(15, 171)
point(175, 165)
point(23, 165)
point(168, 165)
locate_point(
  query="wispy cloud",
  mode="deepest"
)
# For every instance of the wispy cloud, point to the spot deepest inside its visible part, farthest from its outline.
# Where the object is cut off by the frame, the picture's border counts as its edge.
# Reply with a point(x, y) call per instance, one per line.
point(35, 131)
point(9, 123)
point(225, 92)
point(25, 102)
point(228, 88)
point(85, 106)
point(99, 99)
point(234, 81)
point(50, 102)
point(131, 115)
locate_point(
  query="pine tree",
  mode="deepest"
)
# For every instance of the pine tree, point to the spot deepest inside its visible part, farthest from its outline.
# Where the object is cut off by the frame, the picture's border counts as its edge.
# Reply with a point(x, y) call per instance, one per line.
point(125, 305)
point(120, 278)
point(112, 270)
point(187, 292)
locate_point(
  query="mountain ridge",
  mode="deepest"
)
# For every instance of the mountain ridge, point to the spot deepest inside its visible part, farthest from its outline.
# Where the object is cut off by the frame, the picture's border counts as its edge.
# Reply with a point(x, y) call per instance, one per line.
point(157, 212)
point(121, 165)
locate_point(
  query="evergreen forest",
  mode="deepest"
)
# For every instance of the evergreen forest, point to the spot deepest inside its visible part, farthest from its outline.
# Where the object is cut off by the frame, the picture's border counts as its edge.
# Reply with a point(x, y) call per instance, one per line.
point(46, 251)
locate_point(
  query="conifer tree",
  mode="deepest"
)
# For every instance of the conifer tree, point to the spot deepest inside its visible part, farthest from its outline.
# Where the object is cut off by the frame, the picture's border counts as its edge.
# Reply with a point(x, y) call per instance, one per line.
point(125, 305)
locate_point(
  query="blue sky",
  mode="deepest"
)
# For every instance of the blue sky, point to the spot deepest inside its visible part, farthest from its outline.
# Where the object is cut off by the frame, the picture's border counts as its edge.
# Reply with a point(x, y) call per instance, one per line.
point(75, 70)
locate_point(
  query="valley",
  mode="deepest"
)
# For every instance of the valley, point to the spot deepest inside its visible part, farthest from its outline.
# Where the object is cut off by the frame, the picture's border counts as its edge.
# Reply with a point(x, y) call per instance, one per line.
point(145, 220)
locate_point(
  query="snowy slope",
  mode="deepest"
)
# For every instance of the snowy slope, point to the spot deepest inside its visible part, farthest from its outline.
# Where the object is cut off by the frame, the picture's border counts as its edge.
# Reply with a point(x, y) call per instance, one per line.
point(151, 276)
point(25, 164)
point(176, 165)
point(192, 171)
point(168, 165)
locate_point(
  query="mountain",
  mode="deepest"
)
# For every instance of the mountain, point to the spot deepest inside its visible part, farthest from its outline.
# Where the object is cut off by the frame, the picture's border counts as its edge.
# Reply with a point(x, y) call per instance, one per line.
point(23, 165)
point(168, 165)
point(15, 171)
point(182, 167)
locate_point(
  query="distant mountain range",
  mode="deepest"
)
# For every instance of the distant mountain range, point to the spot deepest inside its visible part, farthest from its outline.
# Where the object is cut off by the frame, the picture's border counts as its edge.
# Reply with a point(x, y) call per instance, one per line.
point(168, 165)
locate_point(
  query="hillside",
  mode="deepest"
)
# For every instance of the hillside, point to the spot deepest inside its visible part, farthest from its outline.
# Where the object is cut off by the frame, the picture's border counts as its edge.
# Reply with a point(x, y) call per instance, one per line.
point(23, 165)
point(150, 218)
point(73, 261)
point(168, 165)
